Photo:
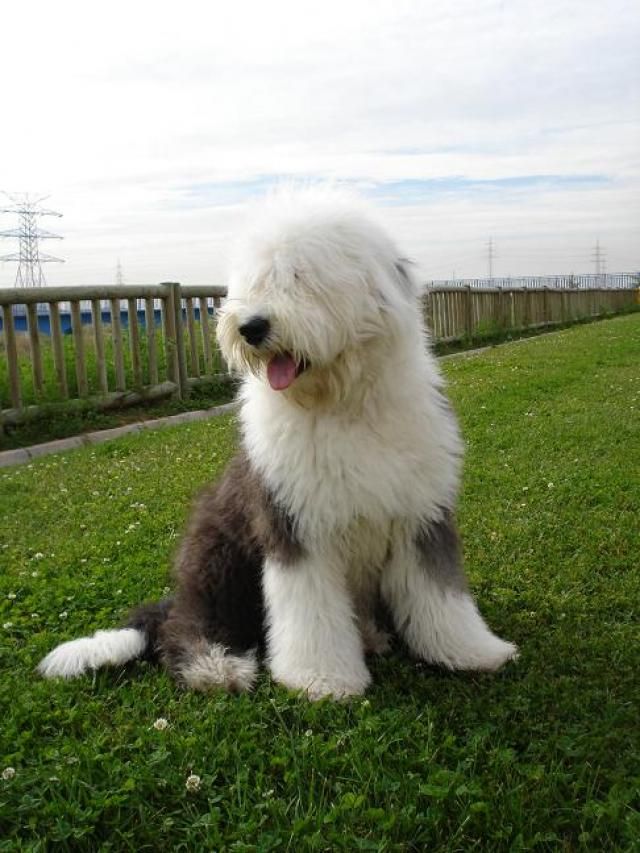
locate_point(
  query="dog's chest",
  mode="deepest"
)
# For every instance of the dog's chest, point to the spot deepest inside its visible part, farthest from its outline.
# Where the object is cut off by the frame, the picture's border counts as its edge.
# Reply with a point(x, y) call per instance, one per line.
point(335, 475)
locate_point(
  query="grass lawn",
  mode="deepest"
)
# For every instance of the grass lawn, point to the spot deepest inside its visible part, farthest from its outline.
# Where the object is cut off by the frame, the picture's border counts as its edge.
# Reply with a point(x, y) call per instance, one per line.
point(543, 756)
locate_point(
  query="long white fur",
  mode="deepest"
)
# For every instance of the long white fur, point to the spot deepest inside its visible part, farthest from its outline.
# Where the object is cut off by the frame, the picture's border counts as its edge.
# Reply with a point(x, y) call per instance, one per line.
point(361, 439)
point(313, 637)
point(105, 648)
point(440, 624)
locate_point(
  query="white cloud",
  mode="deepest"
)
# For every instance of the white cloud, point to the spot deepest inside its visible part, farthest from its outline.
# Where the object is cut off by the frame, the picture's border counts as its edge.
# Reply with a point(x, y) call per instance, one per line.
point(133, 114)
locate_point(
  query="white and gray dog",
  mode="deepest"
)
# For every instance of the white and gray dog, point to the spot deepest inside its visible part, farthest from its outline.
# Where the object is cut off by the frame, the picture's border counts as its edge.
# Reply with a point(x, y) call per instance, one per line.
point(339, 505)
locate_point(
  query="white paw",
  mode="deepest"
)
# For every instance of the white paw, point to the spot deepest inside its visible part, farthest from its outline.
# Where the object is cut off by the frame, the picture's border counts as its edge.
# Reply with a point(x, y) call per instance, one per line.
point(214, 668)
point(493, 655)
point(487, 654)
point(322, 685)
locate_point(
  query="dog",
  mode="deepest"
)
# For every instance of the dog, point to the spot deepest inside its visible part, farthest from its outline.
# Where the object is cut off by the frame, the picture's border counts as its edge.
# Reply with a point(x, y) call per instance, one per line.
point(340, 504)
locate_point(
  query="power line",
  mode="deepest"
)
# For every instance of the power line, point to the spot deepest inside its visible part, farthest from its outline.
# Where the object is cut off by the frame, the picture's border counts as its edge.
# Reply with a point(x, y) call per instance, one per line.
point(29, 257)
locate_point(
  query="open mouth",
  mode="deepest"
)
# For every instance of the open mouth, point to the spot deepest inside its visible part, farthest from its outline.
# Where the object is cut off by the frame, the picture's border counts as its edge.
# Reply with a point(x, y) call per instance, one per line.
point(283, 369)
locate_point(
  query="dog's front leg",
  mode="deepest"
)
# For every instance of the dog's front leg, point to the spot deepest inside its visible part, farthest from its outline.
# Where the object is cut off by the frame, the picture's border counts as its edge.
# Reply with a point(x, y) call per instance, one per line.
point(313, 640)
point(426, 589)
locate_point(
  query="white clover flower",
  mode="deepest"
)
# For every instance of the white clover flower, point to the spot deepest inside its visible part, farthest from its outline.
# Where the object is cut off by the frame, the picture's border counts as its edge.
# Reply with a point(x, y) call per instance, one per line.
point(549, 485)
point(161, 724)
point(34, 574)
point(166, 590)
point(7, 625)
point(308, 733)
point(38, 555)
point(63, 615)
point(8, 773)
point(193, 782)
point(11, 596)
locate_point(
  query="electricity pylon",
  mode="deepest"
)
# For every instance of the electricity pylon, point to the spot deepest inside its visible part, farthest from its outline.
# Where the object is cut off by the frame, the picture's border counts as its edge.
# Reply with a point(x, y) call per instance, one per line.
point(29, 257)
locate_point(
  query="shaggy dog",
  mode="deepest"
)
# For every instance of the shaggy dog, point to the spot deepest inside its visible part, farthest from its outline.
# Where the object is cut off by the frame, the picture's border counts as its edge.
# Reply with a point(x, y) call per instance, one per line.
point(341, 498)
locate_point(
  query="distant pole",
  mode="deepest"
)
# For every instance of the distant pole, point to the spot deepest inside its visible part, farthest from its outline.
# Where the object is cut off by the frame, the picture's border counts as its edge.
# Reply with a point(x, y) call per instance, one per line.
point(490, 256)
point(599, 258)
point(119, 274)
point(29, 257)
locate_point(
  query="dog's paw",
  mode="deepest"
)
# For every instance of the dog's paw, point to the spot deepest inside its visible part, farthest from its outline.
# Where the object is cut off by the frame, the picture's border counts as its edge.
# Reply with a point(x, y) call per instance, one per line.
point(324, 685)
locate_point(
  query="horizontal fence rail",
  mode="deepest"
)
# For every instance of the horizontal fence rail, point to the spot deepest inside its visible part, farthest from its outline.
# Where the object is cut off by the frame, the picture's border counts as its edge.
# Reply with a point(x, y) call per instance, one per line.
point(127, 344)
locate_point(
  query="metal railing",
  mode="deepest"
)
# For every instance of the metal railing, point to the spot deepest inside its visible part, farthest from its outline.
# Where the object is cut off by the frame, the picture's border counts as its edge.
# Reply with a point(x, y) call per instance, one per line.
point(602, 281)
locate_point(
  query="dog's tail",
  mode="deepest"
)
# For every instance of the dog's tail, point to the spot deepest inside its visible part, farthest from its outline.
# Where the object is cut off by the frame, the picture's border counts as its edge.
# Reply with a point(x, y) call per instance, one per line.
point(115, 647)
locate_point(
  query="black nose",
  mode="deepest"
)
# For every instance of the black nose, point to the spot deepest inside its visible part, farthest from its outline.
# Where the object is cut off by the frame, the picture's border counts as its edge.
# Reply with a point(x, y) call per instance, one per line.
point(255, 330)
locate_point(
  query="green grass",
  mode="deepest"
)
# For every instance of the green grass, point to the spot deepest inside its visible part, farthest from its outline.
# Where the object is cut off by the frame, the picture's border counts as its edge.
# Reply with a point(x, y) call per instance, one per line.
point(542, 756)
point(60, 421)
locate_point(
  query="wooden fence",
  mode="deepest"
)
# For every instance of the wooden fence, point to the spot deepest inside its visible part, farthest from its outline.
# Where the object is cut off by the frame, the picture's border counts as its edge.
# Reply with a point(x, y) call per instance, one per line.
point(171, 324)
point(166, 334)
point(464, 312)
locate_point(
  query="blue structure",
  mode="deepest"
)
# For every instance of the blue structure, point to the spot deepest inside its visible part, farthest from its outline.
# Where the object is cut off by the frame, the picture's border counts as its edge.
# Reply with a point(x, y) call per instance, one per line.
point(44, 321)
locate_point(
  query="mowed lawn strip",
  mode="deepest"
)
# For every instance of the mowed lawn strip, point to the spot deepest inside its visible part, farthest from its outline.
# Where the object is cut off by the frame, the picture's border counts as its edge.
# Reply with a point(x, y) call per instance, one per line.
point(544, 755)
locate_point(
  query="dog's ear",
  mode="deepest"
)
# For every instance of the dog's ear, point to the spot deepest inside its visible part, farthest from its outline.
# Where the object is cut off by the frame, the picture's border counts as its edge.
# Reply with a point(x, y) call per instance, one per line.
point(404, 276)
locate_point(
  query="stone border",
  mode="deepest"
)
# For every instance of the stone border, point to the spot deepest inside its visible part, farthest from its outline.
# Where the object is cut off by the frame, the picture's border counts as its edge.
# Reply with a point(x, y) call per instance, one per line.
point(26, 454)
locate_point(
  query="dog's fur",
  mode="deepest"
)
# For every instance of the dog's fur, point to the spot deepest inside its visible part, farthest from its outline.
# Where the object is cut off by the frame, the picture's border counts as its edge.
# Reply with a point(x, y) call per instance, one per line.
point(343, 493)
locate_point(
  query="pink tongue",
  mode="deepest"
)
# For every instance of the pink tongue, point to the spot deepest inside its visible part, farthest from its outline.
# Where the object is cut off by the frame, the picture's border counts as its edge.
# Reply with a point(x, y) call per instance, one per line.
point(281, 371)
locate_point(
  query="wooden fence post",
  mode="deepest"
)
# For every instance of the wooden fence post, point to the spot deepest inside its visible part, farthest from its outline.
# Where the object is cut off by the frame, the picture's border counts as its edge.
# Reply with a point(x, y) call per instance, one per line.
point(178, 331)
point(12, 356)
point(78, 349)
point(34, 343)
point(193, 341)
point(134, 340)
point(58, 349)
point(468, 319)
point(204, 327)
point(150, 323)
point(118, 354)
point(98, 337)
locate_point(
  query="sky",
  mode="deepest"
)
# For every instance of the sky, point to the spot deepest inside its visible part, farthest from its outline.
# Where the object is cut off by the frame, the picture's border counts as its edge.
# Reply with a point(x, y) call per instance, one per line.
point(151, 125)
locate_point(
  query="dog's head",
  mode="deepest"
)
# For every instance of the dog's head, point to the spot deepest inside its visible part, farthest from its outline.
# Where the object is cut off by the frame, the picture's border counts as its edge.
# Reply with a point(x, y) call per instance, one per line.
point(316, 290)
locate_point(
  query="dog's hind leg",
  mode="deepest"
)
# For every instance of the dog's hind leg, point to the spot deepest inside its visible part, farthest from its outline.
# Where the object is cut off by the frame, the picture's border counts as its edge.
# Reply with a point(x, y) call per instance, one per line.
point(197, 655)
point(425, 587)
point(313, 639)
